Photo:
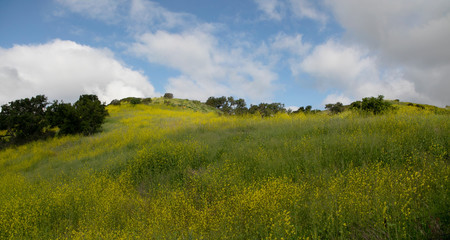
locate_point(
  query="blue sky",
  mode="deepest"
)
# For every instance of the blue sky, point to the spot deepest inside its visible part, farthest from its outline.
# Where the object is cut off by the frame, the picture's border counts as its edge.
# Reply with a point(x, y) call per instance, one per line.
point(297, 52)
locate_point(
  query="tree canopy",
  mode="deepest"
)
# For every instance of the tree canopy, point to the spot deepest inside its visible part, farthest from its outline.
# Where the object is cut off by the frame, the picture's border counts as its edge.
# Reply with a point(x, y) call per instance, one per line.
point(30, 118)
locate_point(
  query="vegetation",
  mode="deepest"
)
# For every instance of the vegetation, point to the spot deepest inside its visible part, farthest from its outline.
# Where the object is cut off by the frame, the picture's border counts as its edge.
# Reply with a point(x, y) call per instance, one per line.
point(29, 119)
point(91, 112)
point(230, 106)
point(168, 95)
point(335, 108)
point(373, 105)
point(25, 118)
point(178, 169)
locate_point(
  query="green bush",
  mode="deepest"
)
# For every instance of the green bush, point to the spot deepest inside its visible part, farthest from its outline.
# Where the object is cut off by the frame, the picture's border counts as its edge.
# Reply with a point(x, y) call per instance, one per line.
point(92, 113)
point(168, 95)
point(135, 101)
point(147, 101)
point(335, 108)
point(64, 116)
point(115, 102)
point(372, 105)
point(24, 119)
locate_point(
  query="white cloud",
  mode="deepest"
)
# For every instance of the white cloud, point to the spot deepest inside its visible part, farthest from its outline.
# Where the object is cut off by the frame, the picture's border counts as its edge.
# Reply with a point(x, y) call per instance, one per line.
point(292, 44)
point(65, 70)
point(335, 65)
point(272, 8)
point(305, 9)
point(334, 98)
point(275, 9)
point(136, 15)
point(412, 35)
point(207, 68)
point(353, 74)
point(144, 14)
point(106, 10)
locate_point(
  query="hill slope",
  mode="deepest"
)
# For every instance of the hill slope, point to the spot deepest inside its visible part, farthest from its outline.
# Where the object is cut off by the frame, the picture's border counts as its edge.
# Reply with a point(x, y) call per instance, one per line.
point(161, 171)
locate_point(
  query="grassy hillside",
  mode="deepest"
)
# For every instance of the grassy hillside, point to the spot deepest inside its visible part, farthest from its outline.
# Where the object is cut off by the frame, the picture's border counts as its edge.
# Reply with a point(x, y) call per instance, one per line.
point(180, 170)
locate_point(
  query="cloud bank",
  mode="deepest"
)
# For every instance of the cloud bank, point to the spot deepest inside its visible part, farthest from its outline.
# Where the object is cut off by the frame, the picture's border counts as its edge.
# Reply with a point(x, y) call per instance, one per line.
point(206, 67)
point(64, 70)
point(410, 35)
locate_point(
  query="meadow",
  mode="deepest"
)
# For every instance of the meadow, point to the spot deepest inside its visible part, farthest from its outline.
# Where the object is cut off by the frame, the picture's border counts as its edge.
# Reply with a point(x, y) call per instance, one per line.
point(162, 171)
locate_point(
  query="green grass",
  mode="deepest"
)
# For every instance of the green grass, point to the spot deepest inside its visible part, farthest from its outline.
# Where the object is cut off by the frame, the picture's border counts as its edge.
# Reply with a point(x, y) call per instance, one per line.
point(180, 170)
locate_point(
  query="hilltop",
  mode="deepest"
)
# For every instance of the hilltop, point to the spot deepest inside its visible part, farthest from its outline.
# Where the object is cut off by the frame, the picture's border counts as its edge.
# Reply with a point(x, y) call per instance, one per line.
point(173, 168)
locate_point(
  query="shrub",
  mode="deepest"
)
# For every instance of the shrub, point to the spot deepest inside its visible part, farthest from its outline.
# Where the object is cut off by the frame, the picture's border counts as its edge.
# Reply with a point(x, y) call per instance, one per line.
point(135, 101)
point(146, 101)
point(24, 118)
point(168, 95)
point(115, 102)
point(335, 108)
point(64, 116)
point(373, 105)
point(92, 113)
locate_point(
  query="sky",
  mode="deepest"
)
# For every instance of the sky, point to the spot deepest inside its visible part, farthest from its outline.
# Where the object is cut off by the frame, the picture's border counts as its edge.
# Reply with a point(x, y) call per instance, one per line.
point(296, 52)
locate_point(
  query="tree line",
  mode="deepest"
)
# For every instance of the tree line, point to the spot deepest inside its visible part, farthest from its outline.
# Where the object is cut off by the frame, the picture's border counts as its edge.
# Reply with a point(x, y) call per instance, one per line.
point(231, 106)
point(33, 118)
point(373, 105)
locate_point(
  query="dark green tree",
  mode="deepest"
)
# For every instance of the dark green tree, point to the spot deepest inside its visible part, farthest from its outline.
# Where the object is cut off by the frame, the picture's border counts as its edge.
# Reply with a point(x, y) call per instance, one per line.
point(240, 107)
point(115, 102)
point(25, 119)
point(267, 109)
point(135, 101)
point(92, 113)
point(168, 95)
point(335, 108)
point(64, 116)
point(375, 105)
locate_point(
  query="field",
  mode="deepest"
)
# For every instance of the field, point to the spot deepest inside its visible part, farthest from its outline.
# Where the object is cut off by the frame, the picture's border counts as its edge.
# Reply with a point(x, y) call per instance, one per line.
point(164, 171)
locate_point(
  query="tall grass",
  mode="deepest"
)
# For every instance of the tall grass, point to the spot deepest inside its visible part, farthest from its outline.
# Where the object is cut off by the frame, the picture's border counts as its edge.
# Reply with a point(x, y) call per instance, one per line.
point(167, 172)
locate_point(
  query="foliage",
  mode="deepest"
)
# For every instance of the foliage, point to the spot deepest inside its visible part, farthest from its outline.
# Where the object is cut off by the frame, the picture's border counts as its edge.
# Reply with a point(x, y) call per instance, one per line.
point(25, 118)
point(372, 105)
point(134, 101)
point(306, 110)
point(168, 95)
point(147, 100)
point(163, 172)
point(64, 116)
point(267, 109)
point(92, 113)
point(115, 102)
point(335, 108)
point(228, 105)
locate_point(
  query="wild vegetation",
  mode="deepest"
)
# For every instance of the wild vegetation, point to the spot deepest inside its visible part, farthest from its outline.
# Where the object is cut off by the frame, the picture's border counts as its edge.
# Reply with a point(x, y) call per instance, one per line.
point(175, 168)
point(29, 119)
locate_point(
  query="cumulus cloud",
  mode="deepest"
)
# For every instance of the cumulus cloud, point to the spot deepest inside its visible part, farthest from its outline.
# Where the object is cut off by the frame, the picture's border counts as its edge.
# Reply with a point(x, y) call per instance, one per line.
point(412, 35)
point(207, 68)
point(353, 74)
point(65, 70)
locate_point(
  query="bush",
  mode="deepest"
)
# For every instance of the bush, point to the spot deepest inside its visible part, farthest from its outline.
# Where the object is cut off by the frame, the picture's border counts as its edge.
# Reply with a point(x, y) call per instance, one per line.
point(24, 119)
point(372, 105)
point(168, 95)
point(146, 101)
point(64, 116)
point(92, 113)
point(115, 102)
point(135, 101)
point(335, 108)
